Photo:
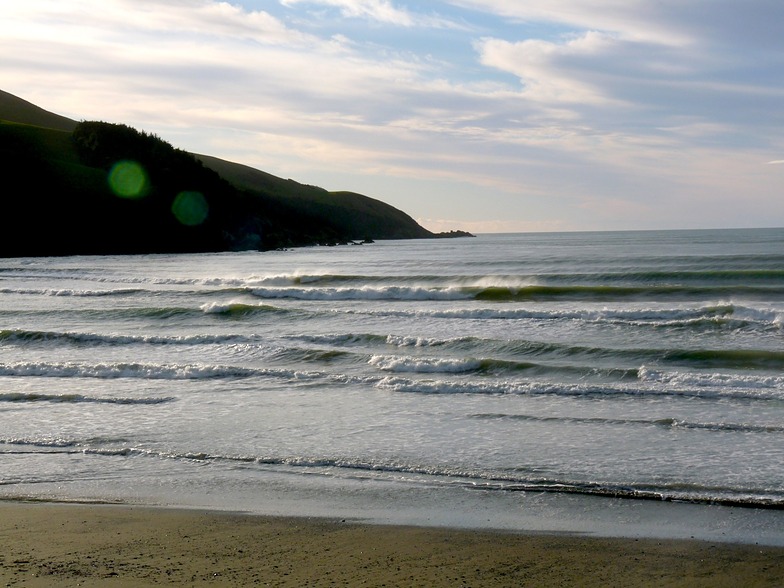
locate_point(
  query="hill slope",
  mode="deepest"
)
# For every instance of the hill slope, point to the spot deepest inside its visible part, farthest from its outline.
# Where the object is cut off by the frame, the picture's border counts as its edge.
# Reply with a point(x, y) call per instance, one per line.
point(349, 212)
point(63, 203)
point(14, 109)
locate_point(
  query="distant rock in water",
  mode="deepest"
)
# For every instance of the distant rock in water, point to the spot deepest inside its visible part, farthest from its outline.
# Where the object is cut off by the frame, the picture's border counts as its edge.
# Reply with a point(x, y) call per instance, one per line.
point(452, 234)
point(92, 188)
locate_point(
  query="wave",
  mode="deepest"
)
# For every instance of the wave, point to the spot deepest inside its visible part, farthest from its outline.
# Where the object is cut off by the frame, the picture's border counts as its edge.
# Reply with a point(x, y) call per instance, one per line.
point(80, 398)
point(727, 358)
point(133, 370)
point(711, 380)
point(603, 293)
point(80, 274)
point(425, 365)
point(373, 339)
point(492, 367)
point(742, 268)
point(718, 427)
point(687, 493)
point(111, 371)
point(464, 344)
point(297, 279)
point(665, 423)
point(389, 293)
point(59, 442)
point(314, 355)
point(746, 269)
point(641, 389)
point(528, 293)
point(71, 292)
point(720, 315)
point(22, 336)
point(746, 359)
point(238, 309)
point(343, 339)
point(510, 350)
point(642, 382)
point(704, 277)
point(478, 356)
point(453, 343)
point(513, 350)
point(468, 478)
point(227, 309)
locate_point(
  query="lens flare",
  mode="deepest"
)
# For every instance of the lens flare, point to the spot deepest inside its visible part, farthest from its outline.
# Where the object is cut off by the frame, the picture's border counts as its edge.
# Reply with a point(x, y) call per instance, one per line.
point(190, 208)
point(127, 179)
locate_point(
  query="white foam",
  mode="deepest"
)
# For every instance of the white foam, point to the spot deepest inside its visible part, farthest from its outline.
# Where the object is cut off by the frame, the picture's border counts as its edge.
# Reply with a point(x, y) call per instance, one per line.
point(649, 315)
point(228, 307)
point(403, 341)
point(364, 293)
point(69, 292)
point(717, 380)
point(423, 364)
point(122, 370)
point(398, 384)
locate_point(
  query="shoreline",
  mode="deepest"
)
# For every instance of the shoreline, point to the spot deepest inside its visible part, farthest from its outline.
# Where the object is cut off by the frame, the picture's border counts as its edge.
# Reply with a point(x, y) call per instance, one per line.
point(279, 494)
point(70, 544)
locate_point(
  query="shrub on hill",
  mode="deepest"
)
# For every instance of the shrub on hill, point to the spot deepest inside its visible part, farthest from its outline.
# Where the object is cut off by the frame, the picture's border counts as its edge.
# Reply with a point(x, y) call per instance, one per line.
point(168, 201)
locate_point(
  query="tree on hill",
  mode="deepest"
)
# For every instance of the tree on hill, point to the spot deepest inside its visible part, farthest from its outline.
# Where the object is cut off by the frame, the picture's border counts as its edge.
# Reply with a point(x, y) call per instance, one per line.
point(163, 193)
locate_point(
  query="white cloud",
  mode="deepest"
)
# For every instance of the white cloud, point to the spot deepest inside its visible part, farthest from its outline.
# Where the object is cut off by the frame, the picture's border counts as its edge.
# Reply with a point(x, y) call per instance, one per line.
point(550, 71)
point(382, 11)
point(636, 20)
point(752, 24)
point(113, 18)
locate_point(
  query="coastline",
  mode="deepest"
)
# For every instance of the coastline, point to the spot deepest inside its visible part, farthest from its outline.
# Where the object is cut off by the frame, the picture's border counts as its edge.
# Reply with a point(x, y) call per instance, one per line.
point(70, 544)
point(279, 494)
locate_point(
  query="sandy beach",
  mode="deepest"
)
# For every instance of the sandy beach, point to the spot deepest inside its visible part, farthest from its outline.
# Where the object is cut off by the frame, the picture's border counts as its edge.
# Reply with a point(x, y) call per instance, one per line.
point(48, 544)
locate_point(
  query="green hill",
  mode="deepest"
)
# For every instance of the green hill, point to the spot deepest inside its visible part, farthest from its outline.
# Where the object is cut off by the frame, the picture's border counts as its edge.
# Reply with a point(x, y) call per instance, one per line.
point(99, 188)
point(13, 108)
point(348, 212)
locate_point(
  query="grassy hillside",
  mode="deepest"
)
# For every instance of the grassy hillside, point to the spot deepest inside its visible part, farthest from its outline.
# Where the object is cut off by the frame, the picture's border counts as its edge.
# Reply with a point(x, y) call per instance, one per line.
point(66, 204)
point(348, 212)
point(14, 109)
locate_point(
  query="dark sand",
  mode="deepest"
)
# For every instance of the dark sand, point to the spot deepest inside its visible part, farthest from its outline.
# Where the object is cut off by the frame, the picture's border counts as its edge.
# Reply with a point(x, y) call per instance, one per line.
point(45, 544)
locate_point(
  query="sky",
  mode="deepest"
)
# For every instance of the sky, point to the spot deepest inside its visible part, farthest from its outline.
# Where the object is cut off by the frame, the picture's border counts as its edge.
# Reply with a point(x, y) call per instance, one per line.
point(480, 115)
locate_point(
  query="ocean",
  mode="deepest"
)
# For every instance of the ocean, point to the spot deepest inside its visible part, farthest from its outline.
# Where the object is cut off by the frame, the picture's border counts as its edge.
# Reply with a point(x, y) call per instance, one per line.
point(606, 382)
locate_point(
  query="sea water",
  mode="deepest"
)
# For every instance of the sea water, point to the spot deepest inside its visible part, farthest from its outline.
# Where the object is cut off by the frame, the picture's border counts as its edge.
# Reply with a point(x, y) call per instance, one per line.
point(631, 382)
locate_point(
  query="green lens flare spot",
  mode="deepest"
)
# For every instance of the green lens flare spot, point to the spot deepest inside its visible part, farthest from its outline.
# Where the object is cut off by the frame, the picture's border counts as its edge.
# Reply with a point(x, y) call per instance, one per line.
point(127, 179)
point(190, 208)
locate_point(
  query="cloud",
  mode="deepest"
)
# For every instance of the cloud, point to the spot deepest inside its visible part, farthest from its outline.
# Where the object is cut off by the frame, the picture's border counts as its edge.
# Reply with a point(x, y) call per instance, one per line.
point(381, 11)
point(547, 69)
point(753, 24)
point(617, 81)
point(196, 50)
point(116, 18)
point(630, 19)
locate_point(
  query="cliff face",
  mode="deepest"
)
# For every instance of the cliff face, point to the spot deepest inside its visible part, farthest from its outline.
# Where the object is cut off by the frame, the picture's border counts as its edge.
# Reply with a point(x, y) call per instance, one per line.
point(98, 188)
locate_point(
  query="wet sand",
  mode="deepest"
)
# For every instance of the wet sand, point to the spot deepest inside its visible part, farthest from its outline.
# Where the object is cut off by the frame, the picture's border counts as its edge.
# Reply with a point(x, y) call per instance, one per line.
point(47, 544)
